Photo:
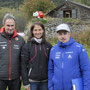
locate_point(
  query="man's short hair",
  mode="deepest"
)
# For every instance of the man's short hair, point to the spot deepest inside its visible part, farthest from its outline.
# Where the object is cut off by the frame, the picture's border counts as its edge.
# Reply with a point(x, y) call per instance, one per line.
point(8, 16)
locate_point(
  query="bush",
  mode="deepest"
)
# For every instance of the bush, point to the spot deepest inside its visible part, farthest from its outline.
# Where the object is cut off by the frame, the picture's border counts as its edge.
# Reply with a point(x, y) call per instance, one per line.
point(70, 20)
point(42, 20)
point(82, 37)
point(31, 6)
point(53, 41)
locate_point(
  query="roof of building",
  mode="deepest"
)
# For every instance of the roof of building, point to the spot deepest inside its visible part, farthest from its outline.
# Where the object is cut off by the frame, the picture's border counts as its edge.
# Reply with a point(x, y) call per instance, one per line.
point(65, 2)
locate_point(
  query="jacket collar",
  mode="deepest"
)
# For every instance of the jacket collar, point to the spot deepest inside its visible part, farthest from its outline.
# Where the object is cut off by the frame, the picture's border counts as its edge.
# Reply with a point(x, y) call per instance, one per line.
point(34, 41)
point(3, 29)
point(67, 43)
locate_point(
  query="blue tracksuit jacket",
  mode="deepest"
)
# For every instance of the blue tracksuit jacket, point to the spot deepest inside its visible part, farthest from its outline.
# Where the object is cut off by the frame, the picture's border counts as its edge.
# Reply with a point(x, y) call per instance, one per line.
point(68, 61)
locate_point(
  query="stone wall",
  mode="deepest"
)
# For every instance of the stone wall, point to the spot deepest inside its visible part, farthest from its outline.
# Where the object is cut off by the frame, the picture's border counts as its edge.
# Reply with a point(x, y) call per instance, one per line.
point(75, 27)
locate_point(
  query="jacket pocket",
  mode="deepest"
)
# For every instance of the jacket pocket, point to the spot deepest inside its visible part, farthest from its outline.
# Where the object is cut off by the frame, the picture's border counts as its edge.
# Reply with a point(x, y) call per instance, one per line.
point(29, 72)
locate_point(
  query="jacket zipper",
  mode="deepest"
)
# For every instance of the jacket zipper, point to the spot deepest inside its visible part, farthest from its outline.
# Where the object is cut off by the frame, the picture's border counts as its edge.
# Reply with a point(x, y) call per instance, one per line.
point(62, 68)
point(62, 62)
point(29, 72)
point(40, 47)
point(9, 59)
point(40, 62)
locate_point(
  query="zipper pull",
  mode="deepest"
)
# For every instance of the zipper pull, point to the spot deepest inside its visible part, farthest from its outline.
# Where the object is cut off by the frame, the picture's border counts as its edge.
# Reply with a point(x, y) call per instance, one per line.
point(40, 47)
point(62, 64)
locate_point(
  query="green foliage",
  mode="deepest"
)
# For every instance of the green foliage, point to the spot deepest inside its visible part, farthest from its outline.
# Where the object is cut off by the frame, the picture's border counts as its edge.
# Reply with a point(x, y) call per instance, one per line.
point(42, 20)
point(72, 20)
point(31, 6)
point(58, 2)
point(22, 87)
point(79, 1)
point(20, 18)
point(21, 21)
point(86, 2)
point(17, 3)
point(10, 3)
point(87, 49)
point(53, 41)
point(82, 37)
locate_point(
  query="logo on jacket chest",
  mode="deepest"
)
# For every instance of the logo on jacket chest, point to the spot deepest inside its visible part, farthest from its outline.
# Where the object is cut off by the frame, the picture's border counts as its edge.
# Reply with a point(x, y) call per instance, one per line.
point(16, 38)
point(3, 45)
point(69, 54)
point(57, 55)
point(16, 46)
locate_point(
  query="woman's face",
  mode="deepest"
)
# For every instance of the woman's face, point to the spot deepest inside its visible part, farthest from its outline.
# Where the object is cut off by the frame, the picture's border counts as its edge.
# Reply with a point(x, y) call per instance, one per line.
point(38, 31)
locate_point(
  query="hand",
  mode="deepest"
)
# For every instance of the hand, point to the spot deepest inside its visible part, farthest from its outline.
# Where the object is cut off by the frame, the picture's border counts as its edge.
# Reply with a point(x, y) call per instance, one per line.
point(21, 78)
point(27, 87)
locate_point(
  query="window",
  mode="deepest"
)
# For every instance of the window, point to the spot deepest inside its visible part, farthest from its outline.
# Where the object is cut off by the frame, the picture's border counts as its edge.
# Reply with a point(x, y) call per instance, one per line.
point(67, 14)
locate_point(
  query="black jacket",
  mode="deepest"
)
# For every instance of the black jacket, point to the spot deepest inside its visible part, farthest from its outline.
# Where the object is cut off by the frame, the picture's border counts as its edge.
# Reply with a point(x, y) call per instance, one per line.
point(35, 61)
point(10, 56)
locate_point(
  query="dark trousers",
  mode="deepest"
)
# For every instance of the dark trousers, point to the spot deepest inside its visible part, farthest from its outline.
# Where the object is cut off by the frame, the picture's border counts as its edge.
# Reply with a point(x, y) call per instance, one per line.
point(38, 85)
point(14, 84)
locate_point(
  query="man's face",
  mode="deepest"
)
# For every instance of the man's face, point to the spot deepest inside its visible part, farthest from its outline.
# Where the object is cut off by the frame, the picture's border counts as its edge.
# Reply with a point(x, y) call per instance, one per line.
point(9, 26)
point(63, 36)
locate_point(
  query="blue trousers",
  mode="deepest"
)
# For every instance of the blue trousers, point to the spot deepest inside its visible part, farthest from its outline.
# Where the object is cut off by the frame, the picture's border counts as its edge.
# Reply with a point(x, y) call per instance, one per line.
point(38, 85)
point(11, 84)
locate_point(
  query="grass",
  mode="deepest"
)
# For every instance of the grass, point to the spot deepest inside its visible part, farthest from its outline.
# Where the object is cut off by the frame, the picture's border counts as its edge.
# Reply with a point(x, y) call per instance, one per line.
point(22, 88)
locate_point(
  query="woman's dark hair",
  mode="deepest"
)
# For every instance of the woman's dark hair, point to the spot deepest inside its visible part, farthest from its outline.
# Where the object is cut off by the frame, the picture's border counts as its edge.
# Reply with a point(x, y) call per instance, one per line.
point(31, 31)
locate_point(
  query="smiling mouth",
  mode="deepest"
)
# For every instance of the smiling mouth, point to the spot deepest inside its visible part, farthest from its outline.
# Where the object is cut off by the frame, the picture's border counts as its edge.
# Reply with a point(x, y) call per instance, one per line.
point(38, 34)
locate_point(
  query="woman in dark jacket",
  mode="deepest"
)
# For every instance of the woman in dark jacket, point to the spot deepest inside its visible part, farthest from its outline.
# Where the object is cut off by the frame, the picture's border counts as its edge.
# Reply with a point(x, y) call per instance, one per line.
point(35, 55)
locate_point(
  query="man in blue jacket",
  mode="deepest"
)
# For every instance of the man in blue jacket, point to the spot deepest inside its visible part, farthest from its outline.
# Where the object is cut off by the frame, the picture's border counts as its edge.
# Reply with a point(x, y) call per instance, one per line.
point(68, 61)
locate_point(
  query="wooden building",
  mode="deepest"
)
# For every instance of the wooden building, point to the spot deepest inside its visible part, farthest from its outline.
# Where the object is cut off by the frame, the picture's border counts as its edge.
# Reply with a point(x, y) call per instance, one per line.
point(70, 9)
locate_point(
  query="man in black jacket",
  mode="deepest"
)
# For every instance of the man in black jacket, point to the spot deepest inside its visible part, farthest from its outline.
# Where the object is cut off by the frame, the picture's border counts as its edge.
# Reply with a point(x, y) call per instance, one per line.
point(10, 50)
